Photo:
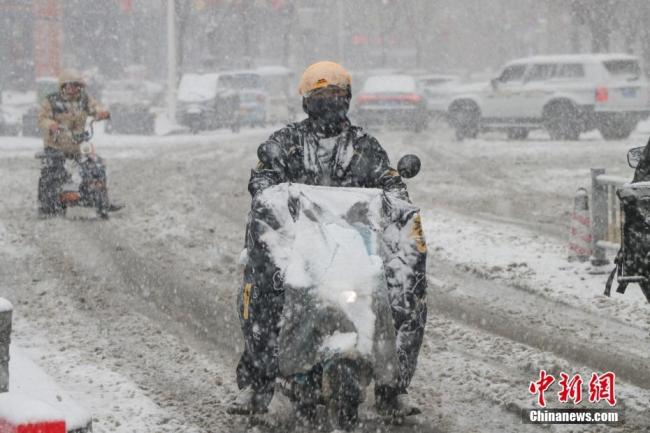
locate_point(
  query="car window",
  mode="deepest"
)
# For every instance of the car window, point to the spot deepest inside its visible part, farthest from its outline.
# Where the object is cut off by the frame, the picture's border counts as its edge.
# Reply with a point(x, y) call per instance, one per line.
point(240, 81)
point(512, 73)
point(569, 70)
point(540, 72)
point(434, 82)
point(389, 84)
point(623, 68)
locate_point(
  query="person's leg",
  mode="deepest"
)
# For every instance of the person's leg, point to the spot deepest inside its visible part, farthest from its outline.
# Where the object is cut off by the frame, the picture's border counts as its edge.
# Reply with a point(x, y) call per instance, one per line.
point(260, 304)
point(96, 186)
point(53, 176)
point(405, 256)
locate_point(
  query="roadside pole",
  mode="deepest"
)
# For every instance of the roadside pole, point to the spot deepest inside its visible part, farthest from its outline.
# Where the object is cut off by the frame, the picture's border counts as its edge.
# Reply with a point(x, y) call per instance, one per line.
point(5, 339)
point(171, 61)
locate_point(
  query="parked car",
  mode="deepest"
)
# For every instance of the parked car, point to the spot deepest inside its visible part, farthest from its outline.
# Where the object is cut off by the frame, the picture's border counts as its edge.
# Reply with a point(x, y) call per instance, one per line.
point(44, 86)
point(10, 120)
point(563, 94)
point(393, 100)
point(130, 103)
point(204, 103)
point(436, 89)
point(252, 96)
point(282, 104)
point(252, 108)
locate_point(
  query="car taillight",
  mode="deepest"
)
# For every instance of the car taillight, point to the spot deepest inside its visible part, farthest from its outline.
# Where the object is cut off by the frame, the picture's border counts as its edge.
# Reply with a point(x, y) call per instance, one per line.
point(412, 97)
point(602, 94)
point(362, 99)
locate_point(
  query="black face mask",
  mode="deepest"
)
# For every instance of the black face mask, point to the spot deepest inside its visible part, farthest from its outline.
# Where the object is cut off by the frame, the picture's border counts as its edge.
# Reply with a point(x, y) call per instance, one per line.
point(329, 114)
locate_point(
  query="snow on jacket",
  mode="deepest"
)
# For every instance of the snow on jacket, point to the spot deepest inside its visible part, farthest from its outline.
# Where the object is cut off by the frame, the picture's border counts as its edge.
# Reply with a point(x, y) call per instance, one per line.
point(291, 155)
point(70, 114)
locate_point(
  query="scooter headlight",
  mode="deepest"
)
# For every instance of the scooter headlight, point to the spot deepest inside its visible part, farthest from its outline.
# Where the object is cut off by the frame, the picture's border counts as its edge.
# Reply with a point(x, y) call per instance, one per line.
point(85, 148)
point(350, 296)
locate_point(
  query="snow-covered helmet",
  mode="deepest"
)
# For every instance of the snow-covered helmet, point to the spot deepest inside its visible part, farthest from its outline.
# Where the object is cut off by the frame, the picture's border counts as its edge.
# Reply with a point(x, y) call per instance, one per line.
point(68, 76)
point(324, 74)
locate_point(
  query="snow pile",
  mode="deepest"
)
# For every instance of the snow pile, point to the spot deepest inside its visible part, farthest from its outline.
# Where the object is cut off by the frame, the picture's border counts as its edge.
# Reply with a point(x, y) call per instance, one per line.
point(5, 305)
point(18, 409)
point(29, 379)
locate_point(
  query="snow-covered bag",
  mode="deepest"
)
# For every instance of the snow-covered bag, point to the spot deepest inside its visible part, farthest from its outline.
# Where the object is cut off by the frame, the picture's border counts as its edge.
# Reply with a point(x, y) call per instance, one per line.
point(327, 244)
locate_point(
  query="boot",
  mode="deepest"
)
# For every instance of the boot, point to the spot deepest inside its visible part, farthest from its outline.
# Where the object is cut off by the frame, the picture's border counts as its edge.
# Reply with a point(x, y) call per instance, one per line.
point(114, 207)
point(389, 402)
point(250, 402)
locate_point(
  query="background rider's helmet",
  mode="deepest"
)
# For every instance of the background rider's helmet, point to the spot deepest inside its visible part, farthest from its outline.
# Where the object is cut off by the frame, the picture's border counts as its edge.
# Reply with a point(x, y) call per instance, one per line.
point(71, 76)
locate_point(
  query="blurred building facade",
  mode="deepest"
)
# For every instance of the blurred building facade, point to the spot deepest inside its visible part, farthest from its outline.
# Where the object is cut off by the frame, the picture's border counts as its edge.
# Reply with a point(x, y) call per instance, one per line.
point(435, 35)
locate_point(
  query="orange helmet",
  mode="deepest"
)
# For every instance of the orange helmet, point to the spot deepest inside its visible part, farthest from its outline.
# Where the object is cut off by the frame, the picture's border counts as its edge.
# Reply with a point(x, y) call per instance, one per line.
point(323, 74)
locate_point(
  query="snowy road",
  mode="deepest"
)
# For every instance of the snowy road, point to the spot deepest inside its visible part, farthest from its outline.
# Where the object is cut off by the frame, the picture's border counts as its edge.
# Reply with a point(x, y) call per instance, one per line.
point(137, 315)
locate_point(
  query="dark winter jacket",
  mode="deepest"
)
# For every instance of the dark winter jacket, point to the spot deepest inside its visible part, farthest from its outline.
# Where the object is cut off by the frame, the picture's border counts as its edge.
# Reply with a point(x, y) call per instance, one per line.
point(290, 155)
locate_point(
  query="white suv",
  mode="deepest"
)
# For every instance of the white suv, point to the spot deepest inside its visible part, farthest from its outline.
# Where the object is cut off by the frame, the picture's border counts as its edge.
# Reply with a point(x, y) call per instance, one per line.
point(564, 94)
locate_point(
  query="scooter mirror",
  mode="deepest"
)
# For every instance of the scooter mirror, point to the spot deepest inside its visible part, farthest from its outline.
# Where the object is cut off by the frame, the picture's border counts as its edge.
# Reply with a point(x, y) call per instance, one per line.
point(634, 156)
point(269, 151)
point(408, 166)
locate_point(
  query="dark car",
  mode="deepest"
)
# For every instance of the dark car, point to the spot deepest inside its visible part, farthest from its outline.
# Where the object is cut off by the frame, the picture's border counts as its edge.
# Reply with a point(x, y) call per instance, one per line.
point(130, 102)
point(252, 108)
point(393, 100)
point(252, 96)
point(203, 103)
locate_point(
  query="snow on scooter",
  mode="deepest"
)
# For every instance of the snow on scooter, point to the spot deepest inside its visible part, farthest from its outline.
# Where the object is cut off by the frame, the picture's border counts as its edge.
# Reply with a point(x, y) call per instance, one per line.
point(633, 258)
point(336, 332)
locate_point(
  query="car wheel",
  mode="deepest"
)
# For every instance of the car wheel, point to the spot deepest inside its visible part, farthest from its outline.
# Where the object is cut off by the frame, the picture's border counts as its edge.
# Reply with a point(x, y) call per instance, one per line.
point(616, 129)
point(517, 133)
point(561, 121)
point(465, 117)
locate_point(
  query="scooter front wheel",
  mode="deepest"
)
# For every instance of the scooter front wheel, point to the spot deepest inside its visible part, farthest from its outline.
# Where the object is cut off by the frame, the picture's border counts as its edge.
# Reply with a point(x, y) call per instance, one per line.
point(342, 385)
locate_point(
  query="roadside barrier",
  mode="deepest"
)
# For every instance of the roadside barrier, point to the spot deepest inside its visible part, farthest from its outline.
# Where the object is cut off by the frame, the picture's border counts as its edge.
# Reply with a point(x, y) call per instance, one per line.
point(22, 414)
point(605, 215)
point(580, 234)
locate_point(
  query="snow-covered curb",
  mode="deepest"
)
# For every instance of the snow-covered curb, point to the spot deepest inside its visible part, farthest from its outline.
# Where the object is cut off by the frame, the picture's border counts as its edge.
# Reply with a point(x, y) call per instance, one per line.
point(534, 262)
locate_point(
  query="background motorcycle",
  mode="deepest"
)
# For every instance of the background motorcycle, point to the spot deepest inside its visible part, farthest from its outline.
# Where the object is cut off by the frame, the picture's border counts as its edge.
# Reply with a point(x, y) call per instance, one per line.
point(85, 178)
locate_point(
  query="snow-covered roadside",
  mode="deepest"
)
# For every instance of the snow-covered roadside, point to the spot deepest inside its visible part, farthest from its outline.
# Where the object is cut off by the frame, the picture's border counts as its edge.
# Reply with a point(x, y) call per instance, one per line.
point(116, 403)
point(533, 262)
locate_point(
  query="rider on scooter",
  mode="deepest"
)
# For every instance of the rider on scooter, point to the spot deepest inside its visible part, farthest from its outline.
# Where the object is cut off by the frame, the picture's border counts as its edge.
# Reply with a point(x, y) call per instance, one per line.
point(66, 110)
point(326, 149)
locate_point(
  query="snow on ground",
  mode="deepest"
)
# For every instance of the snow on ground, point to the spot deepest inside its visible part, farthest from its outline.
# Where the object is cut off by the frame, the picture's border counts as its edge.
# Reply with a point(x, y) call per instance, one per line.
point(117, 404)
point(483, 203)
point(539, 262)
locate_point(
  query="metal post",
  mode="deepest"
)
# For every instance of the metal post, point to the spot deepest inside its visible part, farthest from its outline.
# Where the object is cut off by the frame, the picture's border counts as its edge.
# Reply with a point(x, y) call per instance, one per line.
point(171, 61)
point(5, 338)
point(598, 217)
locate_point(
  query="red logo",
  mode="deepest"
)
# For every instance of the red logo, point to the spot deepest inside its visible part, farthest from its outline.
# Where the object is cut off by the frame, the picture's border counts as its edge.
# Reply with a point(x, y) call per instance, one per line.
point(539, 387)
point(601, 387)
point(571, 389)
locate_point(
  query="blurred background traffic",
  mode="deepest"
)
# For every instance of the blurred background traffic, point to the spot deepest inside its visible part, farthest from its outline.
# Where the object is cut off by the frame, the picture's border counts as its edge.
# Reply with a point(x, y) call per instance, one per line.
point(207, 64)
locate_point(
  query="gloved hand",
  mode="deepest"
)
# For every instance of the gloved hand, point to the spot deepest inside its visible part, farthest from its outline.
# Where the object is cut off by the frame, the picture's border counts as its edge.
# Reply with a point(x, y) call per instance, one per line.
point(397, 206)
point(54, 128)
point(102, 115)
